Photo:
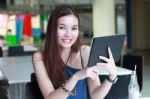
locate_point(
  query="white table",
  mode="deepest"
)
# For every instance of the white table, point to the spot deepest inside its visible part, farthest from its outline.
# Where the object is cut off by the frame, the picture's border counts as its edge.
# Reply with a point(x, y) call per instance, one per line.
point(29, 48)
point(145, 98)
point(121, 71)
point(17, 70)
point(26, 48)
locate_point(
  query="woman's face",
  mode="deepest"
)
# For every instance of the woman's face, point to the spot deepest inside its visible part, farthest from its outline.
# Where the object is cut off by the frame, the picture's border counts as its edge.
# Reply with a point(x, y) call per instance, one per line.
point(67, 30)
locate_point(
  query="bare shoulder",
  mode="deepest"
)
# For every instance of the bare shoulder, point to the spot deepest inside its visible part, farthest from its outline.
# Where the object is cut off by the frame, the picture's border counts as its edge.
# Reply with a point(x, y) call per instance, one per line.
point(85, 49)
point(37, 55)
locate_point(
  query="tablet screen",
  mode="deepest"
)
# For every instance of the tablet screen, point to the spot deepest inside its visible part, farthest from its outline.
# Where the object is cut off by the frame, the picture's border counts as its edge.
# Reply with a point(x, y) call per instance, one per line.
point(99, 47)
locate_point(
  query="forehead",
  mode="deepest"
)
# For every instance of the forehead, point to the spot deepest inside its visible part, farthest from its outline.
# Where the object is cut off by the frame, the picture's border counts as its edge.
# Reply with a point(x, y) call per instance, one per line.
point(68, 20)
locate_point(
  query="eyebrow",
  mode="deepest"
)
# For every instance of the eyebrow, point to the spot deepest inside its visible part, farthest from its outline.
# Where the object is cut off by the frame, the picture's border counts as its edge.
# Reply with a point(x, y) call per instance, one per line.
point(61, 24)
point(65, 25)
point(76, 25)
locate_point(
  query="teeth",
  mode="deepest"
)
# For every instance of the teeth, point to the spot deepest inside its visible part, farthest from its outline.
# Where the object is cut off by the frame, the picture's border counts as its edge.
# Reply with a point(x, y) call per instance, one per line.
point(66, 40)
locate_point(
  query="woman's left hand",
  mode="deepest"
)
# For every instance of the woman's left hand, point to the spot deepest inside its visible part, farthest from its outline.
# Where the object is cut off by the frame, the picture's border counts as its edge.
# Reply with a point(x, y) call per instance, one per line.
point(109, 64)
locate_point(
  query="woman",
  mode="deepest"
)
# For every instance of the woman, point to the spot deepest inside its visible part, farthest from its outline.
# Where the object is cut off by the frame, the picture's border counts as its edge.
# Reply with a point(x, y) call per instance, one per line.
point(61, 67)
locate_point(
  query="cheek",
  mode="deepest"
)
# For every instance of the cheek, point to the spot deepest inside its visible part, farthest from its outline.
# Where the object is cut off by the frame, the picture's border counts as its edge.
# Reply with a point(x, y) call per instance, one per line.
point(60, 33)
point(76, 34)
point(59, 36)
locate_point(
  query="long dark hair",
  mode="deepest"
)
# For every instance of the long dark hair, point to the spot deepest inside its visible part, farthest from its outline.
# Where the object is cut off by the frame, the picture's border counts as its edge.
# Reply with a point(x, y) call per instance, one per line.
point(52, 59)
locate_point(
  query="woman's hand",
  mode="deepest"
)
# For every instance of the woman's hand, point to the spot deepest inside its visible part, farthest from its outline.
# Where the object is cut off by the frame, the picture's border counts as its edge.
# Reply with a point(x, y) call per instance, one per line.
point(109, 64)
point(90, 72)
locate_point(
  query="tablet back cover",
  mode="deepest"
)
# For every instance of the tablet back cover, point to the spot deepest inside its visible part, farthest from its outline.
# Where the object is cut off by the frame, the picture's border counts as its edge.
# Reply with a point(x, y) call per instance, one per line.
point(100, 45)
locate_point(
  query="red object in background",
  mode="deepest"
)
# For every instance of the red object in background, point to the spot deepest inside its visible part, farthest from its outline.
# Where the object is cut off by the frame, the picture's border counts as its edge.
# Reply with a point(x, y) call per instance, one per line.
point(27, 28)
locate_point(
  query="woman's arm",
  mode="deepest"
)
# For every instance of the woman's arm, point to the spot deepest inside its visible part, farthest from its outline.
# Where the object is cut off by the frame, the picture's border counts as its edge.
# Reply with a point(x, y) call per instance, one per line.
point(96, 89)
point(45, 83)
point(110, 66)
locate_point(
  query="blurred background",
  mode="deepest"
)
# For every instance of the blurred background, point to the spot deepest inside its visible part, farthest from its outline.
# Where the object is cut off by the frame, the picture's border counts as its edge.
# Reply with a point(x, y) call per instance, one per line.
point(21, 19)
point(24, 22)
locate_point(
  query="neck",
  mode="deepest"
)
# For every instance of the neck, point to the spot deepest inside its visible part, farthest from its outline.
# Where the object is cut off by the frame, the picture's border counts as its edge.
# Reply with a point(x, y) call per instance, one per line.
point(65, 54)
point(64, 51)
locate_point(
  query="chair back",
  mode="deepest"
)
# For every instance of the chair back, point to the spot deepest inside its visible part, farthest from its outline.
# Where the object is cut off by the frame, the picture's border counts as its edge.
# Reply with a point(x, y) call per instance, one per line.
point(120, 89)
point(15, 51)
point(129, 62)
point(1, 52)
point(4, 86)
point(32, 89)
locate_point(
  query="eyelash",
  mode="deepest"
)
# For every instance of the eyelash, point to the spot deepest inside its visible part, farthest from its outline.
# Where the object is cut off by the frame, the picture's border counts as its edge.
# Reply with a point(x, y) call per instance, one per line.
point(65, 28)
point(74, 28)
point(62, 28)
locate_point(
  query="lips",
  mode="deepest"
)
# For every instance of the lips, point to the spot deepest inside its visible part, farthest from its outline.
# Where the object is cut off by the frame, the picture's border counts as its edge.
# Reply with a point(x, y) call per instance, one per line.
point(67, 41)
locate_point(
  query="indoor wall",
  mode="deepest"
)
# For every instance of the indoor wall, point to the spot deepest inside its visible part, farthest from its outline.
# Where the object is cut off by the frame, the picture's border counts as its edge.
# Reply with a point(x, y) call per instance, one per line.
point(140, 24)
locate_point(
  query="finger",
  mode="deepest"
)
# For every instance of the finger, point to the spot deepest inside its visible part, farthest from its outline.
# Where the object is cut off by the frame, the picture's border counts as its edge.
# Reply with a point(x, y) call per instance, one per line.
point(95, 72)
point(110, 53)
point(101, 64)
point(104, 58)
point(95, 69)
point(102, 68)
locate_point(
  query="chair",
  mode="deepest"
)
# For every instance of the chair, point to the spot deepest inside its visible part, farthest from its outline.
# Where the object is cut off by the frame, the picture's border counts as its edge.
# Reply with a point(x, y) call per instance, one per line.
point(129, 62)
point(120, 89)
point(15, 51)
point(4, 88)
point(29, 53)
point(32, 89)
point(1, 52)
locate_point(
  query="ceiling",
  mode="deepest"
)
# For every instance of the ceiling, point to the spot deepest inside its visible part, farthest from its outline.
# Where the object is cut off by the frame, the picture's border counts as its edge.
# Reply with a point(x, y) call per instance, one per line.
point(43, 6)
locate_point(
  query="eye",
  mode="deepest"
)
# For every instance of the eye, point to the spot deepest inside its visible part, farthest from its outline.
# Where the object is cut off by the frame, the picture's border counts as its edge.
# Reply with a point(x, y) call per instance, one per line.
point(62, 28)
point(74, 28)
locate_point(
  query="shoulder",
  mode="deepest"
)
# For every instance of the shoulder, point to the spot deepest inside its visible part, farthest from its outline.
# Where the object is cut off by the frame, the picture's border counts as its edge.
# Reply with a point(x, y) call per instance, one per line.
point(37, 55)
point(85, 52)
point(37, 60)
point(85, 49)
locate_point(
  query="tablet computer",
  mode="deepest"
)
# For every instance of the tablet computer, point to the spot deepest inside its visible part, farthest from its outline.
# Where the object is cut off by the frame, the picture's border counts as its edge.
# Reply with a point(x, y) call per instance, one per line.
point(99, 47)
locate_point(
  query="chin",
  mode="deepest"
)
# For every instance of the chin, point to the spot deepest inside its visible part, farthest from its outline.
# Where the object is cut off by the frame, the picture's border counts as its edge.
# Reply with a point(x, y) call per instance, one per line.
point(66, 45)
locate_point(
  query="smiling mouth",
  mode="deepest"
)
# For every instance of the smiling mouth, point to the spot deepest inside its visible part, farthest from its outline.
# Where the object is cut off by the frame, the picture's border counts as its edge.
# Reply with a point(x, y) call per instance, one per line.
point(67, 41)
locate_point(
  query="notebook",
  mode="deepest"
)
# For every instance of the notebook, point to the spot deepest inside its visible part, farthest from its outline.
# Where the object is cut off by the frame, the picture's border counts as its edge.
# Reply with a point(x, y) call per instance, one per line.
point(99, 47)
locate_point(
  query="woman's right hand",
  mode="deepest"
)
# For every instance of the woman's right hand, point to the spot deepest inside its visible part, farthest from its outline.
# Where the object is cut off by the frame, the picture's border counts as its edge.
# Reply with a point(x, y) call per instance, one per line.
point(90, 72)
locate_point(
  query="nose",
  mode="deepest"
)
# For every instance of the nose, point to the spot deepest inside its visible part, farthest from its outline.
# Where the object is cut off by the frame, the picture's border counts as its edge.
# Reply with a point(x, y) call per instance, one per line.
point(68, 32)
